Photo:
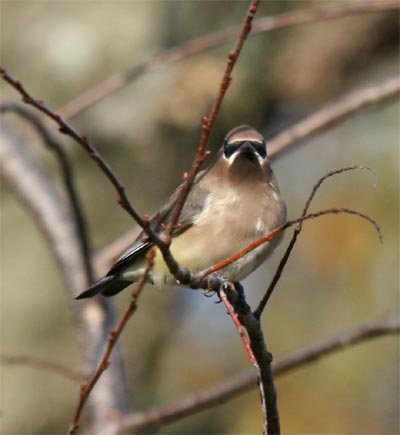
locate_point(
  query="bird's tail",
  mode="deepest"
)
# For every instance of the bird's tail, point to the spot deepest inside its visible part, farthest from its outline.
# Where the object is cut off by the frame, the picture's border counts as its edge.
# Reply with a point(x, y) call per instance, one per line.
point(107, 286)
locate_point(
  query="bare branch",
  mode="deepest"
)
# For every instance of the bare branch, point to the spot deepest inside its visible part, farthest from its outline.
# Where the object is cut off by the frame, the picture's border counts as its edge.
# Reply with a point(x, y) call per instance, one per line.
point(181, 274)
point(333, 113)
point(94, 319)
point(198, 45)
point(82, 140)
point(67, 173)
point(87, 387)
point(329, 115)
point(43, 364)
point(249, 349)
point(259, 310)
point(226, 390)
point(262, 357)
point(208, 122)
point(278, 230)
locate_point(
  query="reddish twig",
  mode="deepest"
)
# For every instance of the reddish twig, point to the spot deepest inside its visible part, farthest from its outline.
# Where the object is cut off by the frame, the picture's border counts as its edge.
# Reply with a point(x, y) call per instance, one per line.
point(66, 169)
point(40, 363)
point(82, 139)
point(210, 40)
point(328, 115)
point(279, 230)
point(181, 274)
point(208, 122)
point(296, 233)
point(54, 218)
point(249, 350)
point(239, 327)
point(87, 387)
point(261, 356)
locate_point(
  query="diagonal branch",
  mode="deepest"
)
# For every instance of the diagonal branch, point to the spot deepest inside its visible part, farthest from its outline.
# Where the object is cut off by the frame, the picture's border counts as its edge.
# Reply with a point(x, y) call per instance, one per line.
point(208, 122)
point(322, 119)
point(205, 42)
point(226, 390)
point(278, 230)
point(181, 274)
point(67, 173)
point(259, 310)
point(226, 297)
point(41, 363)
point(87, 387)
point(333, 113)
point(262, 357)
point(94, 319)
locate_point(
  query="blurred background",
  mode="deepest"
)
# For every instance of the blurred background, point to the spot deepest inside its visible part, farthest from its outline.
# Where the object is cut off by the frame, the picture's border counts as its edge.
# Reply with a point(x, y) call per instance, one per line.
point(179, 341)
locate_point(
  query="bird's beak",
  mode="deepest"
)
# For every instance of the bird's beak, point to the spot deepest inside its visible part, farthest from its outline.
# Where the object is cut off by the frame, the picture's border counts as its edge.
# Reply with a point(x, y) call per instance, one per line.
point(247, 151)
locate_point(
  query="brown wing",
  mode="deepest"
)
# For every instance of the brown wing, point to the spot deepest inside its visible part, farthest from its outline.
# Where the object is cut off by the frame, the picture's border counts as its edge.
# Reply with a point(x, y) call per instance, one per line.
point(192, 208)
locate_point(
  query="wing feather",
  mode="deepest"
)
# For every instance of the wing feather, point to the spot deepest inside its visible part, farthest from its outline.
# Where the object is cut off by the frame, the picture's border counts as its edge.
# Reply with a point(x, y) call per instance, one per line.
point(191, 210)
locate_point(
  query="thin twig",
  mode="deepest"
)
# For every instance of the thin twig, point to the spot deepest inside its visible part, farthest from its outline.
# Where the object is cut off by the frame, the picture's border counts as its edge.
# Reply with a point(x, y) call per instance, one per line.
point(94, 319)
point(67, 173)
point(263, 357)
point(210, 40)
point(43, 364)
point(226, 390)
point(208, 122)
point(322, 119)
point(249, 350)
point(104, 363)
point(182, 275)
point(278, 230)
point(81, 139)
point(328, 115)
point(333, 113)
point(259, 310)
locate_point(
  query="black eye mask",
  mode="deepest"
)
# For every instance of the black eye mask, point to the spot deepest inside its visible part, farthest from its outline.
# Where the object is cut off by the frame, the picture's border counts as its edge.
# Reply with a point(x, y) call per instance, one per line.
point(231, 147)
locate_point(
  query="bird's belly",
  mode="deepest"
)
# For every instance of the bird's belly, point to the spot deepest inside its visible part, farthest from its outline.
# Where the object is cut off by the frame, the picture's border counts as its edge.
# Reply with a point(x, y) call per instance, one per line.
point(202, 246)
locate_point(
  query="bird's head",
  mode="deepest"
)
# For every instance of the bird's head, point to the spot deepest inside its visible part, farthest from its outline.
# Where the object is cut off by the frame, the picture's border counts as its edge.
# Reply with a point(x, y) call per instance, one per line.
point(244, 151)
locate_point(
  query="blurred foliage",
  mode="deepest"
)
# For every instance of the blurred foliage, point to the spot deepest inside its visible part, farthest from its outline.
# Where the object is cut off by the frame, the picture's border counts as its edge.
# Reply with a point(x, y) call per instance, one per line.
point(339, 274)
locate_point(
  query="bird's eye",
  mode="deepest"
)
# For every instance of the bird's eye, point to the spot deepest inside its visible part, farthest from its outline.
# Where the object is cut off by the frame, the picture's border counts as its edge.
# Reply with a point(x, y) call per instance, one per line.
point(260, 148)
point(230, 148)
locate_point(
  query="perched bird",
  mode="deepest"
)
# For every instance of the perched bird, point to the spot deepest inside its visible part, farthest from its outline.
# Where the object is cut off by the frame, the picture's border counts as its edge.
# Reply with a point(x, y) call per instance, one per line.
point(232, 203)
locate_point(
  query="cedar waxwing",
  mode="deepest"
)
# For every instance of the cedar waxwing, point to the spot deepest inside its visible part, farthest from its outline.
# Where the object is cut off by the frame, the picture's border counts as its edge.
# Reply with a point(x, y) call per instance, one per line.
point(232, 203)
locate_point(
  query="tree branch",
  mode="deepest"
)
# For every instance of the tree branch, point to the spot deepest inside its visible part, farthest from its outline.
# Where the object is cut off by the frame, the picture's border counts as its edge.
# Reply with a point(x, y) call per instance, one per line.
point(94, 319)
point(87, 387)
point(208, 122)
point(43, 364)
point(199, 277)
point(226, 390)
point(205, 42)
point(322, 119)
point(333, 113)
point(262, 356)
point(68, 178)
point(263, 303)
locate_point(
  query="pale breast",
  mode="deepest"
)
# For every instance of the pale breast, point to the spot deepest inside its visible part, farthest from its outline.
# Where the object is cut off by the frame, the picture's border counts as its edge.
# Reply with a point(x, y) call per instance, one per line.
point(229, 222)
